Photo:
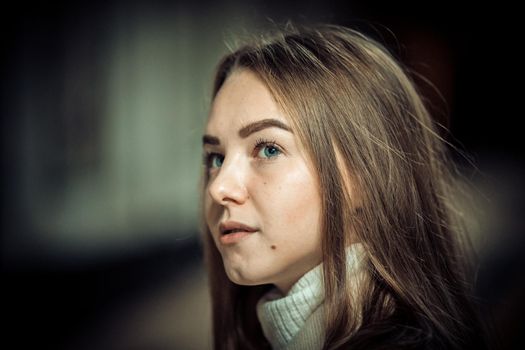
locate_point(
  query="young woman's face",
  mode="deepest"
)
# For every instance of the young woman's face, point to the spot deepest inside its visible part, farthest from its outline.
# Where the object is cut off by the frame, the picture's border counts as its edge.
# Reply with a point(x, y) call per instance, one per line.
point(260, 184)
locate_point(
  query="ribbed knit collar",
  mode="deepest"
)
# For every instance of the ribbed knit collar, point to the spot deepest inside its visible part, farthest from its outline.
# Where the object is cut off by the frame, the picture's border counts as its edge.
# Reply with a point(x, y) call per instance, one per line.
point(283, 316)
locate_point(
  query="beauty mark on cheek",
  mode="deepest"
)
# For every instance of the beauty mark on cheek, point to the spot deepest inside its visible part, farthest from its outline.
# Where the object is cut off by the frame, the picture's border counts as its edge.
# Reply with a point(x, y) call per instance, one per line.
point(273, 247)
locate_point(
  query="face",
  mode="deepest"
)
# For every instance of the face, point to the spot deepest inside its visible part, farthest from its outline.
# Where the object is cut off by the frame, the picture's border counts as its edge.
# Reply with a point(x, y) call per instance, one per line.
point(261, 186)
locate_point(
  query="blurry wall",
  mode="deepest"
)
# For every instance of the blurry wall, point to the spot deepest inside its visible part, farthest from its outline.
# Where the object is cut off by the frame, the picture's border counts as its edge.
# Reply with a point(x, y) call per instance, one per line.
point(107, 111)
point(103, 106)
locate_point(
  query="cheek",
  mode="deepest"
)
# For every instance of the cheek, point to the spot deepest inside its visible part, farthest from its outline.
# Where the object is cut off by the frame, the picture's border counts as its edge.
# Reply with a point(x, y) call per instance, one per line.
point(292, 204)
point(211, 211)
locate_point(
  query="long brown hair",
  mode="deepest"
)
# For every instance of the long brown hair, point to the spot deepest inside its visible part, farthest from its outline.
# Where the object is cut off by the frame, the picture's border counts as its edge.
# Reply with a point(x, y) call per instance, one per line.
point(359, 117)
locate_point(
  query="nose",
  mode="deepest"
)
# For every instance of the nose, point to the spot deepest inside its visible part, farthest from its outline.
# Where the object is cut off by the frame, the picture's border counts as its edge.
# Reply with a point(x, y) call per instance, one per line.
point(229, 184)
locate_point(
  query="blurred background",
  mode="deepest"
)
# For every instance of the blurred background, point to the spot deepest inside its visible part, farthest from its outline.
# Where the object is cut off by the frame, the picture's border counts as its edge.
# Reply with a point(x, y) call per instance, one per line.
point(103, 107)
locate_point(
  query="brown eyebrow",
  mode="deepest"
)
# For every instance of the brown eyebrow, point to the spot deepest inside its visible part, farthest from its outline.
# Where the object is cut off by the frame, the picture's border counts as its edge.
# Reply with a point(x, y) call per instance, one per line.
point(249, 129)
point(210, 140)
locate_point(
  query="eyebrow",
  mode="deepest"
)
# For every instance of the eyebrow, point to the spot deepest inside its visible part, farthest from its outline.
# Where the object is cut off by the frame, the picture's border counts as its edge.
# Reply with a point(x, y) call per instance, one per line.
point(210, 140)
point(249, 129)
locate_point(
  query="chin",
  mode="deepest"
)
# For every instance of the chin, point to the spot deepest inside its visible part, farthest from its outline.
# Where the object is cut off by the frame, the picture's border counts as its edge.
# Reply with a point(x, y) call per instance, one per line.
point(242, 279)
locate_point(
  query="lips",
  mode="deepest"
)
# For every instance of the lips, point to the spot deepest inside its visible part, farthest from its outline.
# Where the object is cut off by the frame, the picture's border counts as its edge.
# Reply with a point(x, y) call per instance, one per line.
point(233, 232)
point(234, 226)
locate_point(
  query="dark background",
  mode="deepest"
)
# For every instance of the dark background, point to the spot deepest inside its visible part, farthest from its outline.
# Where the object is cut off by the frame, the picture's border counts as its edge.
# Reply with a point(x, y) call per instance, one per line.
point(61, 299)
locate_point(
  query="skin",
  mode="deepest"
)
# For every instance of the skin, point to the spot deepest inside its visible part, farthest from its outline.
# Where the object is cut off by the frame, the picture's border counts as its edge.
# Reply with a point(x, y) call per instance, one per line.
point(271, 187)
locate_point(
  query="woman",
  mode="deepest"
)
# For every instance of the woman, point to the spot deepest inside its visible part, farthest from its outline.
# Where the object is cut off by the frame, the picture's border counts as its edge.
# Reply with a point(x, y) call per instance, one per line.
point(327, 203)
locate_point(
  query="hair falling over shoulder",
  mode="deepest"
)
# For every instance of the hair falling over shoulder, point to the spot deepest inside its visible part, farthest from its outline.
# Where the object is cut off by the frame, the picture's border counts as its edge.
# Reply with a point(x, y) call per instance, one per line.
point(358, 115)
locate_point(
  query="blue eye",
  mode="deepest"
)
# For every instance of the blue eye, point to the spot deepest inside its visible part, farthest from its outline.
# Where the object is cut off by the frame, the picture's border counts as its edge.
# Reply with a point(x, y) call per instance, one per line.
point(269, 151)
point(214, 160)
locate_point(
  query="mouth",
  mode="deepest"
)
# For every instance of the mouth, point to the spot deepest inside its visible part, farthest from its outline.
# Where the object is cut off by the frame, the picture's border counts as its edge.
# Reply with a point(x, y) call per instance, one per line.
point(230, 227)
point(233, 232)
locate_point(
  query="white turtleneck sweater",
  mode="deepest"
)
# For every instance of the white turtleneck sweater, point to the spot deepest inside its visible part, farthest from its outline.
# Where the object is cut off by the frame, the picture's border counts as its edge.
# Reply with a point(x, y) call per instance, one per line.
point(295, 321)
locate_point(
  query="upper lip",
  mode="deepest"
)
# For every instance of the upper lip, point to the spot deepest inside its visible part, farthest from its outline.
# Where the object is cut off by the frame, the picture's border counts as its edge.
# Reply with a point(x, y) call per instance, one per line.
point(226, 226)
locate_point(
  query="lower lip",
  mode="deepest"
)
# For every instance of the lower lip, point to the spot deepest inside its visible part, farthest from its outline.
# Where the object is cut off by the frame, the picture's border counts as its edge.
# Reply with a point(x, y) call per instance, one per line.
point(234, 237)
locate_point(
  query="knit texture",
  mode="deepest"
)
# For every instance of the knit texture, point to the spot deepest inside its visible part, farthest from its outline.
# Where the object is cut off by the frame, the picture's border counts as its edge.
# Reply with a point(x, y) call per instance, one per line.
point(296, 321)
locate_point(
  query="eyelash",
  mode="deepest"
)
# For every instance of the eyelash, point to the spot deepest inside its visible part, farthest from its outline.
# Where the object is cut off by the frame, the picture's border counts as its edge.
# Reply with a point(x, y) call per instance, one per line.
point(259, 144)
point(207, 158)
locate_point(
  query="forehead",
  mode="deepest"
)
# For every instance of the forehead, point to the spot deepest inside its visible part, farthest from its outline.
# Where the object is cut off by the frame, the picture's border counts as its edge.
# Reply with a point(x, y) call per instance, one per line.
point(242, 99)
